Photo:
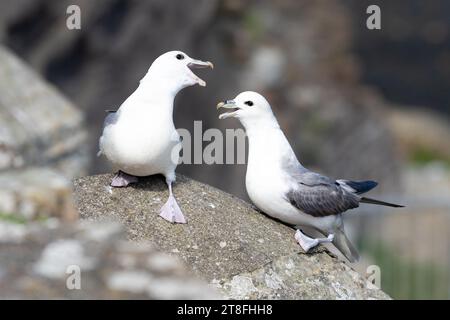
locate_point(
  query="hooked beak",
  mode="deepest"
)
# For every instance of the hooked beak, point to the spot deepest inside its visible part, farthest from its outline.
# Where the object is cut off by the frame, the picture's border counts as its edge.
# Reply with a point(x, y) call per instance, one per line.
point(198, 64)
point(229, 104)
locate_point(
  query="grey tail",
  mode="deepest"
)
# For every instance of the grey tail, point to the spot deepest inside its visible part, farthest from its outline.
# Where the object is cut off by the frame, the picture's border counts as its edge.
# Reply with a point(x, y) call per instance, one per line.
point(381, 203)
point(343, 244)
point(361, 186)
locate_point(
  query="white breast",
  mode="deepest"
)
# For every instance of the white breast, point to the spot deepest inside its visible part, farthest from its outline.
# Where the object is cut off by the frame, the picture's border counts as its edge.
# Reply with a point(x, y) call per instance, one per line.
point(266, 182)
point(142, 142)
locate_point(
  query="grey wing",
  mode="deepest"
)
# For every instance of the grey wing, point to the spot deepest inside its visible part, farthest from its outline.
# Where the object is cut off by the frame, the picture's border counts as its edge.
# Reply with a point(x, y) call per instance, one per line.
point(320, 196)
point(110, 119)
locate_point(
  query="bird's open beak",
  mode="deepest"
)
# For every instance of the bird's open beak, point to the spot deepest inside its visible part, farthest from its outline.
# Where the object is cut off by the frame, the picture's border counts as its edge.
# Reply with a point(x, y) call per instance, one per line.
point(197, 64)
point(229, 104)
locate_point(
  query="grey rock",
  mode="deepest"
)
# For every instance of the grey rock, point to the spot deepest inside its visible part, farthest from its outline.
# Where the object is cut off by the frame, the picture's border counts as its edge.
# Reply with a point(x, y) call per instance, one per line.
point(36, 193)
point(227, 242)
point(38, 126)
point(43, 144)
point(41, 261)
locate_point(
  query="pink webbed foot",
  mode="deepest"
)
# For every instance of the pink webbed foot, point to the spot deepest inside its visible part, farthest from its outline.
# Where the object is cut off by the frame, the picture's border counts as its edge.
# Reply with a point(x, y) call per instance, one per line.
point(171, 212)
point(307, 243)
point(122, 179)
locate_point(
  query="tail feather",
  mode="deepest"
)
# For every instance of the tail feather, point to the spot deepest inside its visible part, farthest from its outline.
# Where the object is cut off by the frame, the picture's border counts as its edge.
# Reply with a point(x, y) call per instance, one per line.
point(381, 203)
point(343, 244)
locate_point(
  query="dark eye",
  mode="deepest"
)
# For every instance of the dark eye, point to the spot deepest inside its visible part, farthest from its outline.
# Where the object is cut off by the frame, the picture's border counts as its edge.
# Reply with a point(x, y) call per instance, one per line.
point(180, 56)
point(249, 103)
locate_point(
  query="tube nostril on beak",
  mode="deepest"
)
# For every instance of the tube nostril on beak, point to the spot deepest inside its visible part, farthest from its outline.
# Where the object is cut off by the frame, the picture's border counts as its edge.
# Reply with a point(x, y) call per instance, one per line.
point(228, 104)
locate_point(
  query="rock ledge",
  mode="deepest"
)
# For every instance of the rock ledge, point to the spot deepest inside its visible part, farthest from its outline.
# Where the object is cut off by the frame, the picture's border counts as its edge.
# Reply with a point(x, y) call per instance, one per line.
point(226, 242)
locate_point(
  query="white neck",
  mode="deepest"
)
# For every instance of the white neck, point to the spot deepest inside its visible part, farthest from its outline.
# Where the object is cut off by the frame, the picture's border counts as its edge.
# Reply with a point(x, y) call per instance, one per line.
point(154, 93)
point(155, 84)
point(256, 125)
point(267, 142)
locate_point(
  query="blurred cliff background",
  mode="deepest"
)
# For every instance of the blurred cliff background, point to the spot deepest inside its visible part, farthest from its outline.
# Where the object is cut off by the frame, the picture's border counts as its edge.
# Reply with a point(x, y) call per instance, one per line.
point(354, 103)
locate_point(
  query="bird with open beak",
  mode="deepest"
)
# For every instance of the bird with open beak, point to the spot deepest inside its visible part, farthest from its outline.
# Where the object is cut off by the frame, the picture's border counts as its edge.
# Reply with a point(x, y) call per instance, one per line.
point(140, 138)
point(281, 187)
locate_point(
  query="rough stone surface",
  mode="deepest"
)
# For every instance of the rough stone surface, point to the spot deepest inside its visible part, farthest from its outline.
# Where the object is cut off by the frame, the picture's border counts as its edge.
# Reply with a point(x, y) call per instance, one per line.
point(38, 126)
point(42, 144)
point(38, 260)
point(36, 193)
point(226, 242)
point(300, 276)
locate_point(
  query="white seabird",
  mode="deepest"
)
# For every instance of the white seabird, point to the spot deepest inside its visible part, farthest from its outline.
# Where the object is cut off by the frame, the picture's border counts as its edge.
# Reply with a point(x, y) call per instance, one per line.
point(140, 138)
point(280, 186)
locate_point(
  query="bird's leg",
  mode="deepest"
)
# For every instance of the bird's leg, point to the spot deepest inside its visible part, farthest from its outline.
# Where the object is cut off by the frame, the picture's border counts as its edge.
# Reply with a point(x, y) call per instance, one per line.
point(170, 210)
point(307, 243)
point(122, 179)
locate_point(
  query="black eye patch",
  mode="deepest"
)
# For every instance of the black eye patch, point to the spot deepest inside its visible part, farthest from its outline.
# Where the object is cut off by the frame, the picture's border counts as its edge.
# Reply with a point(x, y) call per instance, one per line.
point(249, 103)
point(180, 56)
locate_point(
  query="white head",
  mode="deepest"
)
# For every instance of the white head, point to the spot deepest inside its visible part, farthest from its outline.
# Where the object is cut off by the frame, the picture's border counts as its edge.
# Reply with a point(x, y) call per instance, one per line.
point(174, 67)
point(251, 108)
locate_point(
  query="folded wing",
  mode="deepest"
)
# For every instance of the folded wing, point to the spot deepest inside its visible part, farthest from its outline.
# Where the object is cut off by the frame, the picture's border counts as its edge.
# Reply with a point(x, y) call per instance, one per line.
point(320, 196)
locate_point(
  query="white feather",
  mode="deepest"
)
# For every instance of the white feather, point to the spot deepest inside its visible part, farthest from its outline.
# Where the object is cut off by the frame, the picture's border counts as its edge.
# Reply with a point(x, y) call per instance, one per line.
point(143, 140)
